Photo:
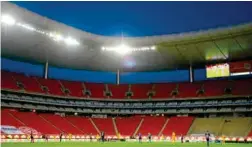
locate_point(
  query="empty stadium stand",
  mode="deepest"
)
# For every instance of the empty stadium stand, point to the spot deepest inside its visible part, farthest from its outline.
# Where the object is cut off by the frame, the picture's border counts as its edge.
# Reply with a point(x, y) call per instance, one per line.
point(118, 91)
point(201, 125)
point(61, 123)
point(140, 91)
point(105, 125)
point(227, 126)
point(9, 119)
point(179, 125)
point(236, 126)
point(130, 122)
point(152, 125)
point(83, 123)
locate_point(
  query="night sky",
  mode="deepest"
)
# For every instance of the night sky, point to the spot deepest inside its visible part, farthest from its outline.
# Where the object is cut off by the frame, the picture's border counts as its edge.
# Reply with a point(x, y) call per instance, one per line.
point(143, 18)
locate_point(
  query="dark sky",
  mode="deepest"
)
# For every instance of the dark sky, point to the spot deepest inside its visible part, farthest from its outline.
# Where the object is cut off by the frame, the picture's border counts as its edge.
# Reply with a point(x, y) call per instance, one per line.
point(143, 18)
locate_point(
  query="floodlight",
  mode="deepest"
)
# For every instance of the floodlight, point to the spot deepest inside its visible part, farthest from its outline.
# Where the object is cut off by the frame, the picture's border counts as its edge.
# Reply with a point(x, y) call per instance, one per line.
point(7, 19)
point(123, 49)
point(153, 48)
point(26, 26)
point(71, 41)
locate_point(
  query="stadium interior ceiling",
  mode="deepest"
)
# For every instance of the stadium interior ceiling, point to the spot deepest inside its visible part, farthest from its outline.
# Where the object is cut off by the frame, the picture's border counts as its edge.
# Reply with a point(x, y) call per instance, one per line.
point(171, 51)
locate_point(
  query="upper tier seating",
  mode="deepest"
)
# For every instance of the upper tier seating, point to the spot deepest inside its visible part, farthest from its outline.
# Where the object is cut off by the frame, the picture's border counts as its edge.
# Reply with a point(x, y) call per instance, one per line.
point(164, 90)
point(31, 85)
point(7, 81)
point(118, 91)
point(97, 90)
point(131, 123)
point(83, 123)
point(152, 125)
point(105, 125)
point(179, 125)
point(75, 88)
point(140, 91)
point(53, 86)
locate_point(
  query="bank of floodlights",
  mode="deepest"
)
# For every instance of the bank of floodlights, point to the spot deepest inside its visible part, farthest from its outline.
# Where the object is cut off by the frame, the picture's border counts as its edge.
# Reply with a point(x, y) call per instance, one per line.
point(123, 49)
point(10, 21)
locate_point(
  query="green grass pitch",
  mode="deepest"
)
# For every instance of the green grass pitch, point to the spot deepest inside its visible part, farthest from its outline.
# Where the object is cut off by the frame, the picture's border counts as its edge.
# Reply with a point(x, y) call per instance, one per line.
point(119, 144)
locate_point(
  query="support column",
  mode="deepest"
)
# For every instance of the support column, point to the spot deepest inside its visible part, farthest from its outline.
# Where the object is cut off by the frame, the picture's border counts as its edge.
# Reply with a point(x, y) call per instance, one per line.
point(46, 70)
point(191, 74)
point(118, 77)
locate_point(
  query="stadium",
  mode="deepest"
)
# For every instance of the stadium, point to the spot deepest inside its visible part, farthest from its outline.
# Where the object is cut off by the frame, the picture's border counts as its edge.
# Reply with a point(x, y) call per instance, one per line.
point(62, 86)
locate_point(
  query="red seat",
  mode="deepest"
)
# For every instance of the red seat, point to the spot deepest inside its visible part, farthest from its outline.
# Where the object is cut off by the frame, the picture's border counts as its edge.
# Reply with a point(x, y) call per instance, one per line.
point(179, 125)
point(148, 127)
point(61, 123)
point(97, 90)
point(140, 91)
point(105, 125)
point(189, 89)
point(53, 86)
point(30, 83)
point(118, 91)
point(7, 81)
point(34, 121)
point(131, 123)
point(76, 88)
point(83, 123)
point(164, 90)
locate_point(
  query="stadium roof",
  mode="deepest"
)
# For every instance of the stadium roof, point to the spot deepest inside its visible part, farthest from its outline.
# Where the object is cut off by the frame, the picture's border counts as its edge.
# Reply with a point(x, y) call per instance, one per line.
point(171, 51)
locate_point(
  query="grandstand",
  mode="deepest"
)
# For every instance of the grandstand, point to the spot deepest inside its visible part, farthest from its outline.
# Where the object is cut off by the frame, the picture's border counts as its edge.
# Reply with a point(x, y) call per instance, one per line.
point(81, 100)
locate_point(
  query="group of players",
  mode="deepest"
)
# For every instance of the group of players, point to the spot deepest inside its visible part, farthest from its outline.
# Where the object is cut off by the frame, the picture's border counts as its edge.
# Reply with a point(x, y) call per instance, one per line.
point(102, 137)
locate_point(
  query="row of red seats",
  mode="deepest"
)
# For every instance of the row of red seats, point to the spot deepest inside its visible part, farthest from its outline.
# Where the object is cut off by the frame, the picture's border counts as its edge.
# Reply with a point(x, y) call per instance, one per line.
point(131, 123)
point(179, 125)
point(55, 124)
point(140, 91)
point(152, 125)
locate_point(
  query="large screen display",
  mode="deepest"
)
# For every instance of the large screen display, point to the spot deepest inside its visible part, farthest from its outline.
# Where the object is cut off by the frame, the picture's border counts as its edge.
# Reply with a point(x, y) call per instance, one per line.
point(217, 70)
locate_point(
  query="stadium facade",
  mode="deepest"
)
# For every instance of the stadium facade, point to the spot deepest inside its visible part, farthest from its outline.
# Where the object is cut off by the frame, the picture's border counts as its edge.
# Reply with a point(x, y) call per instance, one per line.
point(184, 84)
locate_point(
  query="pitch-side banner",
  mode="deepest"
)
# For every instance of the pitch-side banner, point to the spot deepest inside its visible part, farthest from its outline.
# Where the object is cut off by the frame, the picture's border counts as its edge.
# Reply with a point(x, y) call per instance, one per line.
point(10, 130)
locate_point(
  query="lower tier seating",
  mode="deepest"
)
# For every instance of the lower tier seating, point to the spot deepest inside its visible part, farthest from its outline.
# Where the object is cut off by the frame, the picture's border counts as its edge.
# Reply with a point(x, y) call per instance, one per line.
point(84, 124)
point(152, 125)
point(61, 123)
point(131, 123)
point(236, 126)
point(201, 125)
point(34, 121)
point(222, 126)
point(54, 124)
point(105, 125)
point(179, 125)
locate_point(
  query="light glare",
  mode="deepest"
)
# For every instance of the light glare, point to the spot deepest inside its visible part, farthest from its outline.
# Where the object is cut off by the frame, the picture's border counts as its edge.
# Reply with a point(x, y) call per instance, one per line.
point(7, 19)
point(71, 41)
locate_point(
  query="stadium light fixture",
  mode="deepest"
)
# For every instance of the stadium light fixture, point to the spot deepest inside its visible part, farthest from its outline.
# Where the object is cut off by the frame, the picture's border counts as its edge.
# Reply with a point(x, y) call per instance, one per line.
point(124, 49)
point(71, 41)
point(7, 19)
point(26, 26)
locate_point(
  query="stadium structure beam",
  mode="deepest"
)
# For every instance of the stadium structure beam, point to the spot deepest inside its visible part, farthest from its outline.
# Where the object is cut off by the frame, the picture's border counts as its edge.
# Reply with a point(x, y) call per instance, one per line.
point(46, 70)
point(118, 76)
point(191, 73)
